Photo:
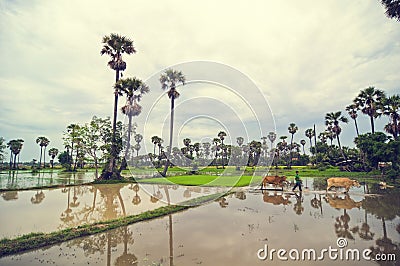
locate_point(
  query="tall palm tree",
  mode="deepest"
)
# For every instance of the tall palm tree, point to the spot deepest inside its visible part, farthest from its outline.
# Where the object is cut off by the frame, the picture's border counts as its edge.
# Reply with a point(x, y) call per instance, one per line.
point(369, 101)
point(332, 119)
point(310, 134)
point(114, 46)
point(53, 153)
point(134, 89)
point(391, 108)
point(42, 142)
point(155, 140)
point(240, 141)
point(169, 80)
point(187, 142)
point(138, 139)
point(216, 141)
point(206, 147)
point(15, 147)
point(392, 8)
point(292, 130)
point(221, 136)
point(272, 137)
point(303, 142)
point(352, 111)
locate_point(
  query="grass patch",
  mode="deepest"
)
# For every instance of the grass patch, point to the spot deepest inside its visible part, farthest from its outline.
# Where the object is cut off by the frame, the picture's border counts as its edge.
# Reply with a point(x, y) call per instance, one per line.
point(207, 180)
point(39, 240)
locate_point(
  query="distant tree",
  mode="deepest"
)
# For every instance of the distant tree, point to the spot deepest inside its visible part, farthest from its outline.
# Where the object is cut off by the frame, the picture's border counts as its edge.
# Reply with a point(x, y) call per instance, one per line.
point(169, 80)
point(155, 140)
point(369, 101)
point(352, 110)
point(2, 149)
point(310, 134)
point(272, 137)
point(292, 130)
point(70, 136)
point(114, 46)
point(138, 139)
point(303, 142)
point(15, 147)
point(222, 136)
point(42, 142)
point(240, 141)
point(53, 153)
point(186, 142)
point(216, 142)
point(206, 147)
point(391, 108)
point(392, 8)
point(332, 119)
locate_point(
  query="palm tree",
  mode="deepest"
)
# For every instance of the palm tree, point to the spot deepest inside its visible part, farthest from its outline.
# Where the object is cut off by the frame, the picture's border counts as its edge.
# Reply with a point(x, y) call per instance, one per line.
point(352, 111)
point(303, 142)
point(369, 101)
point(187, 142)
point(391, 108)
point(240, 141)
point(134, 89)
point(155, 140)
point(15, 147)
point(53, 153)
point(272, 137)
point(42, 142)
point(310, 134)
point(169, 80)
point(392, 8)
point(216, 141)
point(292, 130)
point(206, 147)
point(138, 139)
point(222, 136)
point(115, 45)
point(332, 119)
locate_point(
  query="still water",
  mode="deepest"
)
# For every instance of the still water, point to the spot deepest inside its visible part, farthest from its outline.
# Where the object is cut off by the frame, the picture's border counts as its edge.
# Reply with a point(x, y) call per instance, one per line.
point(232, 230)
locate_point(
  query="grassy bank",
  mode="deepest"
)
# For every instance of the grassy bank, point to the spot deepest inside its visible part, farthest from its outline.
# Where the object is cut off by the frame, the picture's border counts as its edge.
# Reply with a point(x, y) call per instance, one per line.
point(39, 240)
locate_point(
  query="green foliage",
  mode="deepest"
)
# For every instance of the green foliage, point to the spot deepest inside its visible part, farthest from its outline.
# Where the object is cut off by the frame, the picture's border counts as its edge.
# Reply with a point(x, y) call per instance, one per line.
point(65, 160)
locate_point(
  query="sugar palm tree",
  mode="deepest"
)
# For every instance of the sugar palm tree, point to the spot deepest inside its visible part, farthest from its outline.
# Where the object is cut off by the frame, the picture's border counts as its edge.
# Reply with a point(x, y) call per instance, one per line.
point(15, 147)
point(272, 137)
point(391, 108)
point(240, 141)
point(138, 139)
point(206, 147)
point(169, 80)
point(352, 111)
point(155, 140)
point(42, 142)
point(332, 119)
point(216, 141)
point(310, 134)
point(392, 8)
point(53, 153)
point(369, 101)
point(114, 46)
point(303, 142)
point(292, 130)
point(187, 142)
point(134, 89)
point(222, 136)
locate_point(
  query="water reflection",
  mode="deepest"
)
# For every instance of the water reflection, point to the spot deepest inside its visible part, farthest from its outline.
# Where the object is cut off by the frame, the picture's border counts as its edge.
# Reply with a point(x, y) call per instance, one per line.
point(191, 237)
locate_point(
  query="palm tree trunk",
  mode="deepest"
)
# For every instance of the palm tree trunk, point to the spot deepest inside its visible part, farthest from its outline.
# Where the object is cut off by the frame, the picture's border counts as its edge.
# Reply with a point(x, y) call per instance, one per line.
point(371, 118)
point(44, 157)
point(11, 162)
point(291, 155)
point(223, 154)
point(40, 159)
point(340, 147)
point(355, 123)
point(171, 130)
point(15, 161)
point(128, 141)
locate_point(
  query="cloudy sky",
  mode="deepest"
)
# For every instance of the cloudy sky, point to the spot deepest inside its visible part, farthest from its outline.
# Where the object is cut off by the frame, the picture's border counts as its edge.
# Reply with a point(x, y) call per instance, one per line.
point(306, 58)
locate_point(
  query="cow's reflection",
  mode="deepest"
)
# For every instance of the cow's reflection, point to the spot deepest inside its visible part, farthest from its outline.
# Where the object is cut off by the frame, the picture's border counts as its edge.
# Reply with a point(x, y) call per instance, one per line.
point(275, 198)
point(337, 202)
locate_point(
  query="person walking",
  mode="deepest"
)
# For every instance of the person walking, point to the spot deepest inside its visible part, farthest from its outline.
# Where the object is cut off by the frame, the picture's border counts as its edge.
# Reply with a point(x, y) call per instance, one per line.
point(298, 181)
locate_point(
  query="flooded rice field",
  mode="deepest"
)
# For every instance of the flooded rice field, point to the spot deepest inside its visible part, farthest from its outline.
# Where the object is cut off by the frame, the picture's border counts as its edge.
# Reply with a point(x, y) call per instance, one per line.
point(28, 179)
point(242, 228)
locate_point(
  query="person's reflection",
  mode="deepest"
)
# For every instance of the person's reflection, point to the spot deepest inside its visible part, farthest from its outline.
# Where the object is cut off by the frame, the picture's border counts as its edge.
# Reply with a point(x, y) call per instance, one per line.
point(298, 206)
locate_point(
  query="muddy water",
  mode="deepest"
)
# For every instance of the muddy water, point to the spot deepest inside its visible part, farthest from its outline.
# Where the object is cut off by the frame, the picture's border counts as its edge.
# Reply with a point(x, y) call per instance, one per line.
point(28, 179)
point(233, 229)
point(48, 210)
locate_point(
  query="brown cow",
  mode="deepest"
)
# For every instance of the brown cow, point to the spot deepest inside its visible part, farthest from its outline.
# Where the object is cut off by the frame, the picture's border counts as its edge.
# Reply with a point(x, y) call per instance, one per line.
point(275, 180)
point(342, 182)
point(343, 203)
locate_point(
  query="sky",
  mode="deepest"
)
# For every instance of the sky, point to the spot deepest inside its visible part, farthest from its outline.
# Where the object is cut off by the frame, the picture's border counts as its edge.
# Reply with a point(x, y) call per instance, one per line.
point(262, 65)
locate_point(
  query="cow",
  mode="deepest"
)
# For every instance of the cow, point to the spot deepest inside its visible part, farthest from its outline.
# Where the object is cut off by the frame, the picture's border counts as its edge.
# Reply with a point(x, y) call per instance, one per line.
point(275, 180)
point(342, 182)
point(346, 203)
